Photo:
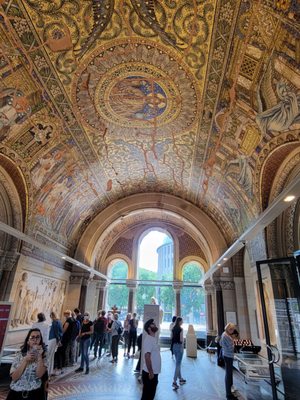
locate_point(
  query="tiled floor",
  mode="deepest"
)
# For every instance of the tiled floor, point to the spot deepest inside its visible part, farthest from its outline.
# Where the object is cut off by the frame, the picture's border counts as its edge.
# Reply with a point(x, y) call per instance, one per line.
point(205, 380)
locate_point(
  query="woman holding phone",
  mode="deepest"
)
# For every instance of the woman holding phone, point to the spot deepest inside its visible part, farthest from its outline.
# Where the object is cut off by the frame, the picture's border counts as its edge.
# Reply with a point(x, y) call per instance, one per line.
point(28, 369)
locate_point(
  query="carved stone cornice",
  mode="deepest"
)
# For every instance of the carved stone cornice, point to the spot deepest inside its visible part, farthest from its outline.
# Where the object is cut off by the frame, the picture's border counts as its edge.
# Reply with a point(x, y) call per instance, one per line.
point(76, 279)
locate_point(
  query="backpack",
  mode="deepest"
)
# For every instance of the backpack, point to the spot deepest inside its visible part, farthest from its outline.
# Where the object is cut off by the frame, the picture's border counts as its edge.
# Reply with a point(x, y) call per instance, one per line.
point(75, 329)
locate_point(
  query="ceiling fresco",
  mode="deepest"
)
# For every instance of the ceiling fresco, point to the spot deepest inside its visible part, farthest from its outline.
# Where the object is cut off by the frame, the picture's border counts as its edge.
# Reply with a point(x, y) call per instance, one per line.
point(102, 99)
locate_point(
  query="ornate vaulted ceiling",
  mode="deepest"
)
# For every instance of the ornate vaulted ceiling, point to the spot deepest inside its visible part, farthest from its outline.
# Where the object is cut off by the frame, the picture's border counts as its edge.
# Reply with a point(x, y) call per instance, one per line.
point(102, 99)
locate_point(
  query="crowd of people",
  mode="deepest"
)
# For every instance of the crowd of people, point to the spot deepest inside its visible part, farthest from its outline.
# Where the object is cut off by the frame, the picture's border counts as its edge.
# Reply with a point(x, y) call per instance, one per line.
point(48, 349)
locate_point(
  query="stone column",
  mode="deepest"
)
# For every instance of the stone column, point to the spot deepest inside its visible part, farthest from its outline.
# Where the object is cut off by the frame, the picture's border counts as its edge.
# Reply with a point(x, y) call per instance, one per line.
point(102, 288)
point(219, 307)
point(229, 301)
point(74, 292)
point(209, 293)
point(177, 286)
point(8, 263)
point(132, 286)
point(90, 302)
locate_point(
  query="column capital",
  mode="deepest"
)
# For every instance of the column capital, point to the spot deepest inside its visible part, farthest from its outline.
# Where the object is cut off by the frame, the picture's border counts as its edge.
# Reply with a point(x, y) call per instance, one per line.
point(102, 284)
point(217, 285)
point(8, 260)
point(227, 285)
point(223, 284)
point(131, 284)
point(177, 285)
point(208, 286)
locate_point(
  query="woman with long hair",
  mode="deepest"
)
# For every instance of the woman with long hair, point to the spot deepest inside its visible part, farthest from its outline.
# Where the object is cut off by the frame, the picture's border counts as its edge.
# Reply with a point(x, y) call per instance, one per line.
point(227, 344)
point(177, 345)
point(86, 331)
point(28, 369)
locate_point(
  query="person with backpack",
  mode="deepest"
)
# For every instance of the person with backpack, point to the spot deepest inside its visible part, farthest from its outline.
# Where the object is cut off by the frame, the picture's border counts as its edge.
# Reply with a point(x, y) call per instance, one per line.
point(116, 332)
point(85, 334)
point(68, 339)
point(79, 319)
point(133, 324)
point(100, 325)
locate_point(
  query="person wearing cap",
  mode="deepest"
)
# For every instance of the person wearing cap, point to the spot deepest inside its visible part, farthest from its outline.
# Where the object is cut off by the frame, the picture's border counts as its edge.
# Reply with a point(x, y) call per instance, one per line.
point(151, 361)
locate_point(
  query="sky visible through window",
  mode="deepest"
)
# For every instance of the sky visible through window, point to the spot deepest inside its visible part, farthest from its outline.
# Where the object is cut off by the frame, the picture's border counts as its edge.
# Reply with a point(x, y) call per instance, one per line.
point(148, 257)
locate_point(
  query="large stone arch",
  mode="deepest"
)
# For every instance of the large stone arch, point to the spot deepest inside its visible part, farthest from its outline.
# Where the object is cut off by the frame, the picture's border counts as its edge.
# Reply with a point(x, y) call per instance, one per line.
point(109, 263)
point(186, 260)
point(282, 233)
point(13, 206)
point(152, 208)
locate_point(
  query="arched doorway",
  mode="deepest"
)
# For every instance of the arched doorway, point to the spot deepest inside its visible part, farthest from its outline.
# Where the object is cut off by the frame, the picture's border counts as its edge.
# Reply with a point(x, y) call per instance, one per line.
point(155, 273)
point(118, 291)
point(193, 297)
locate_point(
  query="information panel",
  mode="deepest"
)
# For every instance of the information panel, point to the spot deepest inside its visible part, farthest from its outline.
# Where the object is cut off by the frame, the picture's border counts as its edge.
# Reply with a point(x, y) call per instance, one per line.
point(5, 309)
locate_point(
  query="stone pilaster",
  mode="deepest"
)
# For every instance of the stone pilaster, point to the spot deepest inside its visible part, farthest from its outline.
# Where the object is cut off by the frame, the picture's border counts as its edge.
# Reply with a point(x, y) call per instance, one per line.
point(209, 292)
point(219, 306)
point(229, 300)
point(102, 294)
point(8, 263)
point(74, 293)
point(177, 286)
point(132, 286)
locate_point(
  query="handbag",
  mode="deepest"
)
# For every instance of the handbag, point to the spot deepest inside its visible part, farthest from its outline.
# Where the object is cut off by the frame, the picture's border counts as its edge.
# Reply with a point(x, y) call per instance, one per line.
point(120, 330)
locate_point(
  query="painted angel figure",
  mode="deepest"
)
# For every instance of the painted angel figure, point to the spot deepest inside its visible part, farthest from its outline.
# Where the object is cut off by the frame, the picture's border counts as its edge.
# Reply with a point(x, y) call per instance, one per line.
point(282, 115)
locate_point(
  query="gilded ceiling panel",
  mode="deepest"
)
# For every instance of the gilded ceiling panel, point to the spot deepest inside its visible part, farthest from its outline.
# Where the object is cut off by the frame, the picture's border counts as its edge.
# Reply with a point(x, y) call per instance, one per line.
point(100, 99)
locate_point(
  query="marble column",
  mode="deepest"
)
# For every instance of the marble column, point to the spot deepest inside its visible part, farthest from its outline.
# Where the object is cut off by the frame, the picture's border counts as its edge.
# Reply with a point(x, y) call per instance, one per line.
point(132, 286)
point(229, 301)
point(102, 286)
point(74, 294)
point(209, 292)
point(8, 263)
point(219, 307)
point(177, 286)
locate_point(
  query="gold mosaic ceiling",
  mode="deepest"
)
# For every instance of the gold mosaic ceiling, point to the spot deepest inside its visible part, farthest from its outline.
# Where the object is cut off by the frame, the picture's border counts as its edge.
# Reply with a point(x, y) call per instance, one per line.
point(103, 99)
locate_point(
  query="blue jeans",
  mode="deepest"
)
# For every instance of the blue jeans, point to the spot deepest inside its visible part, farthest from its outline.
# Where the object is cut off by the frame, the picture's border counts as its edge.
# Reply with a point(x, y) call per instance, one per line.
point(178, 353)
point(228, 375)
point(84, 350)
point(99, 342)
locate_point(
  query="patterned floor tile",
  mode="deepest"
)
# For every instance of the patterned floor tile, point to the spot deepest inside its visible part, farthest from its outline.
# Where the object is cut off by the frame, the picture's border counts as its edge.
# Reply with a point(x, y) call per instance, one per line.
point(205, 380)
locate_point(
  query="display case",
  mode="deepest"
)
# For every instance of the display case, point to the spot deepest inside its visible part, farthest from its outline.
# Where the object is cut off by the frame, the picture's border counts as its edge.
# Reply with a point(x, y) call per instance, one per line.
point(254, 367)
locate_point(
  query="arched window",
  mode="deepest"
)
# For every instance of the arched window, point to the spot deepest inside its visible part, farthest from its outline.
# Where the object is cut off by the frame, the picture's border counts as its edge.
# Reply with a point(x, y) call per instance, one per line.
point(193, 297)
point(156, 264)
point(118, 292)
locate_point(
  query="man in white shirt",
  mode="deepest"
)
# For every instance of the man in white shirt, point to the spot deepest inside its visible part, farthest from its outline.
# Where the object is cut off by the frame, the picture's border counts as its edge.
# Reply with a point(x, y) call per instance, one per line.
point(151, 361)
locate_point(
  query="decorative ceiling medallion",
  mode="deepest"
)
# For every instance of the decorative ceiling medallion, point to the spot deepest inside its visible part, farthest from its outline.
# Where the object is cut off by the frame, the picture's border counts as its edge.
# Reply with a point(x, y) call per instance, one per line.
point(136, 85)
point(133, 94)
